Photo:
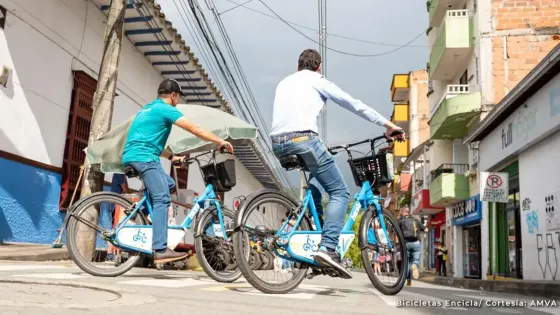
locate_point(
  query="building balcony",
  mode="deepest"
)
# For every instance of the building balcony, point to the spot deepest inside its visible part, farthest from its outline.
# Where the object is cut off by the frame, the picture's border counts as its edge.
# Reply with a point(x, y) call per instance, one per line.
point(449, 118)
point(400, 88)
point(400, 149)
point(453, 46)
point(449, 184)
point(400, 116)
point(437, 9)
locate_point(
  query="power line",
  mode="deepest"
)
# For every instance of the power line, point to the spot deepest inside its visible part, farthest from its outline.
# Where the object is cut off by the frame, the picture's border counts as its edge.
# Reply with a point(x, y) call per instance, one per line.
point(315, 30)
point(340, 51)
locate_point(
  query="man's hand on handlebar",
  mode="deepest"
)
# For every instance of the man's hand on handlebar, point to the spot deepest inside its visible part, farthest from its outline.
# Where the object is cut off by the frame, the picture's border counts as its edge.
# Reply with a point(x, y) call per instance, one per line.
point(225, 146)
point(178, 160)
point(395, 132)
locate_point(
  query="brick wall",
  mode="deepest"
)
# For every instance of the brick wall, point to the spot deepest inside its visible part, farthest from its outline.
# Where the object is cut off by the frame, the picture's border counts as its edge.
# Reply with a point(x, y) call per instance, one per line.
point(531, 29)
point(420, 78)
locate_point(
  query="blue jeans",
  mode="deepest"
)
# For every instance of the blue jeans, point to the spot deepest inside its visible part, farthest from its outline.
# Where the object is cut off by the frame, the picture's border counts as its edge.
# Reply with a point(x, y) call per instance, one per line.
point(158, 184)
point(324, 171)
point(413, 250)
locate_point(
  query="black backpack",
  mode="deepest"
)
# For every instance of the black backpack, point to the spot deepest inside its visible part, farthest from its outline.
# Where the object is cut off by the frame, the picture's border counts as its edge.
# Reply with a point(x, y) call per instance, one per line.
point(410, 228)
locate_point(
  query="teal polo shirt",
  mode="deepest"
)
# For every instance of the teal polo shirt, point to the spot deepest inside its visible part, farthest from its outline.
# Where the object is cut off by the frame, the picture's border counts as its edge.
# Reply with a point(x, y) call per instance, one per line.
point(149, 132)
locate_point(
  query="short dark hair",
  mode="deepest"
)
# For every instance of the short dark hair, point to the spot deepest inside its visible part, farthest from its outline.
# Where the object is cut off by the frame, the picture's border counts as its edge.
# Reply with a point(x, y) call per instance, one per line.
point(309, 60)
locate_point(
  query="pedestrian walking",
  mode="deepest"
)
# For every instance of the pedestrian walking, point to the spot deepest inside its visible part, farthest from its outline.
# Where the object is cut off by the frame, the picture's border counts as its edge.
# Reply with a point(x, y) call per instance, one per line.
point(411, 228)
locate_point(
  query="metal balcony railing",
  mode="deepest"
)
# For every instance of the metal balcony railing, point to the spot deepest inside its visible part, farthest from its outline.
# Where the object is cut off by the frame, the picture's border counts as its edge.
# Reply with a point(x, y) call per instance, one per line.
point(449, 169)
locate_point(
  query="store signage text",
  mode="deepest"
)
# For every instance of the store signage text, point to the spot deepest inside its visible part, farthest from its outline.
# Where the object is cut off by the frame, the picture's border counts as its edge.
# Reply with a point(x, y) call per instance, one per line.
point(468, 211)
point(494, 187)
point(519, 127)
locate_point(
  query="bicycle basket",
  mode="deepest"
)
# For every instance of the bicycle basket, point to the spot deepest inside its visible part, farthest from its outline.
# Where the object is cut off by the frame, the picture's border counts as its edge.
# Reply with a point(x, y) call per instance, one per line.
point(221, 175)
point(376, 169)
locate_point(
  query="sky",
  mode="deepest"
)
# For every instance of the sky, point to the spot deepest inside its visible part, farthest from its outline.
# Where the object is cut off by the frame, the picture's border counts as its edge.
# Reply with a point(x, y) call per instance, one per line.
point(268, 50)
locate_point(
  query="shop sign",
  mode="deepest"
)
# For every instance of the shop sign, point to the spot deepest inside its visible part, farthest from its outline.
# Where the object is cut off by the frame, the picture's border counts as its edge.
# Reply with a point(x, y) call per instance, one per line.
point(467, 212)
point(494, 187)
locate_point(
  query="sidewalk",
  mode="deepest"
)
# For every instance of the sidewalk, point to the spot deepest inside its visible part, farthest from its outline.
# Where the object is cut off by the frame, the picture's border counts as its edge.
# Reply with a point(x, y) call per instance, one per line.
point(32, 252)
point(547, 289)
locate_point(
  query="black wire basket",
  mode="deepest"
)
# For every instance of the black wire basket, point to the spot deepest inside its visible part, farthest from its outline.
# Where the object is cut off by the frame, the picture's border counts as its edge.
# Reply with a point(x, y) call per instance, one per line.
point(220, 175)
point(376, 169)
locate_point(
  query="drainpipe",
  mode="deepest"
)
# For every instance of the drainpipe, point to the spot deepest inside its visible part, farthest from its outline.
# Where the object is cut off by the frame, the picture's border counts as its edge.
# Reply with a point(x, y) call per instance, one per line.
point(506, 67)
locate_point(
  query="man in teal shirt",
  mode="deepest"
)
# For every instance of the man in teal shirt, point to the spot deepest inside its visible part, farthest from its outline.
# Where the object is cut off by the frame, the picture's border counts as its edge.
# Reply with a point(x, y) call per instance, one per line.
point(145, 144)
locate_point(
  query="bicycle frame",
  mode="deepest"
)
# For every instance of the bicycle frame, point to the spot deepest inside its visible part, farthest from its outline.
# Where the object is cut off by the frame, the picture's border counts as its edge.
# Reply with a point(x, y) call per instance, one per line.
point(363, 200)
point(138, 237)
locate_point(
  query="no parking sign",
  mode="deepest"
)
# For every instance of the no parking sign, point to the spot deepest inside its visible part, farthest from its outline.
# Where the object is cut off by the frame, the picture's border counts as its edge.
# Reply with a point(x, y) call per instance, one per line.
point(494, 187)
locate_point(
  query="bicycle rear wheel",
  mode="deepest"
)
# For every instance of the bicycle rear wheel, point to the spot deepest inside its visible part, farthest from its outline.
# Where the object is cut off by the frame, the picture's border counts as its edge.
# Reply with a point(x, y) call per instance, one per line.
point(92, 262)
point(390, 259)
point(251, 219)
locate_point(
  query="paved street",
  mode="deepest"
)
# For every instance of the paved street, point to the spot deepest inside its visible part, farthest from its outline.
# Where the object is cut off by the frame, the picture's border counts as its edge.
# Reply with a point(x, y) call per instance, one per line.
point(61, 288)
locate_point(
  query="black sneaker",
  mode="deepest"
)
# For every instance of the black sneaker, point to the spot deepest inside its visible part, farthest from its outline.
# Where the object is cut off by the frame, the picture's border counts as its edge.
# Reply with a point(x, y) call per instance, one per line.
point(332, 259)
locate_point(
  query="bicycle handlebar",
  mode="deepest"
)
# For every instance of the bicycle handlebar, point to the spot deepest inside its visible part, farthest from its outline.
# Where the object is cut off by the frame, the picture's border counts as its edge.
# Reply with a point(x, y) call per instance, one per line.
point(345, 147)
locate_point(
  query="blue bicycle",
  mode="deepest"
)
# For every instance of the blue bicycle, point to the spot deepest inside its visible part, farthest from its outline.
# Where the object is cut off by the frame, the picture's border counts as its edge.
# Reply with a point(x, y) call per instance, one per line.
point(296, 245)
point(133, 234)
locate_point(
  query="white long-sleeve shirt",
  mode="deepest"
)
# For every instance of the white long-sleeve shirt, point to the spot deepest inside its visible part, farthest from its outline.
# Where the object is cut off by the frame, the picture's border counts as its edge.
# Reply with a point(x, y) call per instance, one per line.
point(300, 97)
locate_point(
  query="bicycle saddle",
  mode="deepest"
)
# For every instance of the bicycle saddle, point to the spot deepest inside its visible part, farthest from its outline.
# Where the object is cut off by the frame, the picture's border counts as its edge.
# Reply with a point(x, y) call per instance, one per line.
point(130, 172)
point(290, 162)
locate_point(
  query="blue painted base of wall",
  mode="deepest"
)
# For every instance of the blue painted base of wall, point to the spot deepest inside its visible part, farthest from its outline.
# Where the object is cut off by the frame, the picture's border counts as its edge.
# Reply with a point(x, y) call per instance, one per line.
point(28, 203)
point(29, 199)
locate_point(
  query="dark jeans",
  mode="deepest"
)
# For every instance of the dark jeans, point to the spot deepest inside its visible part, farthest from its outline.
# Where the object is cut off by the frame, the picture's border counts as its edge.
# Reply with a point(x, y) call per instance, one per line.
point(413, 250)
point(324, 171)
point(442, 266)
point(158, 184)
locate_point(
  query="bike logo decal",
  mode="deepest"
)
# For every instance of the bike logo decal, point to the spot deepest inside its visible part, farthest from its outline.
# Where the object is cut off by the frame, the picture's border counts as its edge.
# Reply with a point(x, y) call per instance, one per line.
point(310, 245)
point(140, 237)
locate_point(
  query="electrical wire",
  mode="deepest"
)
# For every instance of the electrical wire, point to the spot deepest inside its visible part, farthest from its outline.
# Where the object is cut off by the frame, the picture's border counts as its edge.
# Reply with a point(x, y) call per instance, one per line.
point(315, 30)
point(340, 51)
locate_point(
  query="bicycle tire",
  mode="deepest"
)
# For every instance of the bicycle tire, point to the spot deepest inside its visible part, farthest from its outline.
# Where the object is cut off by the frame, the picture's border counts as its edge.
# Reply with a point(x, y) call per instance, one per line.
point(73, 250)
point(199, 248)
point(238, 246)
point(364, 227)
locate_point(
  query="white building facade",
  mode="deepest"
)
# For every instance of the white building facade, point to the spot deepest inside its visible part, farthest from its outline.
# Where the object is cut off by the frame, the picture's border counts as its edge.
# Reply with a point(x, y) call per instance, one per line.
point(51, 51)
point(521, 138)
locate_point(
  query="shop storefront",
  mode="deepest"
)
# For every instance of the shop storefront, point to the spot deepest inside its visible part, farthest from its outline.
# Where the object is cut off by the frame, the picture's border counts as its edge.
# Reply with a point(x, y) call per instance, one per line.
point(467, 251)
point(436, 232)
point(520, 140)
point(421, 207)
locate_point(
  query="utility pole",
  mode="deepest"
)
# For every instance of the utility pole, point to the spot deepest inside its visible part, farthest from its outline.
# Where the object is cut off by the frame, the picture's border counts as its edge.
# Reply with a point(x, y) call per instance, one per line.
point(323, 52)
point(102, 113)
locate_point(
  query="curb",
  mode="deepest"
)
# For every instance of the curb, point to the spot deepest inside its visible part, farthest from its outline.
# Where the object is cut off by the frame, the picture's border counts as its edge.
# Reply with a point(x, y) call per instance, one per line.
point(55, 255)
point(526, 288)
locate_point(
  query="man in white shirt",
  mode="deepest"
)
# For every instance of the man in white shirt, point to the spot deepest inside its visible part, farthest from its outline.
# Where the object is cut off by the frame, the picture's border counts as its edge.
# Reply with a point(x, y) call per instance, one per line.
point(299, 99)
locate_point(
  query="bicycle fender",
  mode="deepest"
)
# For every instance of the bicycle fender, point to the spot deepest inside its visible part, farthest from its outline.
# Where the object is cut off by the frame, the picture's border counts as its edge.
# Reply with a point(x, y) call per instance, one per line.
point(70, 211)
point(199, 229)
point(249, 199)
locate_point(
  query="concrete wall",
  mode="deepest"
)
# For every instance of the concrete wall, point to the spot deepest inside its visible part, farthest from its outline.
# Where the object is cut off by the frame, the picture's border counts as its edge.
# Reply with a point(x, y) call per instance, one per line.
point(440, 152)
point(540, 238)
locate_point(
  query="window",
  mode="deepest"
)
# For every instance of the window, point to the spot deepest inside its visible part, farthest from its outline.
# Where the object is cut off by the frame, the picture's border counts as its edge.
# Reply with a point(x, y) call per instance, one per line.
point(77, 135)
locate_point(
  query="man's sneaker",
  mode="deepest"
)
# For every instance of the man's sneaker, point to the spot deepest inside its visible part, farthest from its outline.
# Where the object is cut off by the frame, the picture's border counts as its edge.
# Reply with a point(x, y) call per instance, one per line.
point(415, 272)
point(408, 282)
point(169, 256)
point(332, 259)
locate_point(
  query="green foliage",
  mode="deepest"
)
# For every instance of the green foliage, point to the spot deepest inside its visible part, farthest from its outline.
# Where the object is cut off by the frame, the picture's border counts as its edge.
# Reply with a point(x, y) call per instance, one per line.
point(354, 251)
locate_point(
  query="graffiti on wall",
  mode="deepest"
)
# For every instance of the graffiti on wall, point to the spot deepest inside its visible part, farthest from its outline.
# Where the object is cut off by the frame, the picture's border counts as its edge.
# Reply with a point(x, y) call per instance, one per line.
point(532, 219)
point(548, 261)
point(552, 216)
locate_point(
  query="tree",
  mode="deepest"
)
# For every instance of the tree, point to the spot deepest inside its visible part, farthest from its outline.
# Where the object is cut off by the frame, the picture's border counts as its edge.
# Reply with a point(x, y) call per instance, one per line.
point(102, 104)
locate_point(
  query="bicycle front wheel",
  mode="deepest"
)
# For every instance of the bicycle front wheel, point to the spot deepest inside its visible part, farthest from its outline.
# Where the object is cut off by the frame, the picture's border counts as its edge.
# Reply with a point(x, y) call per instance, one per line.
point(213, 252)
point(391, 268)
point(93, 258)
